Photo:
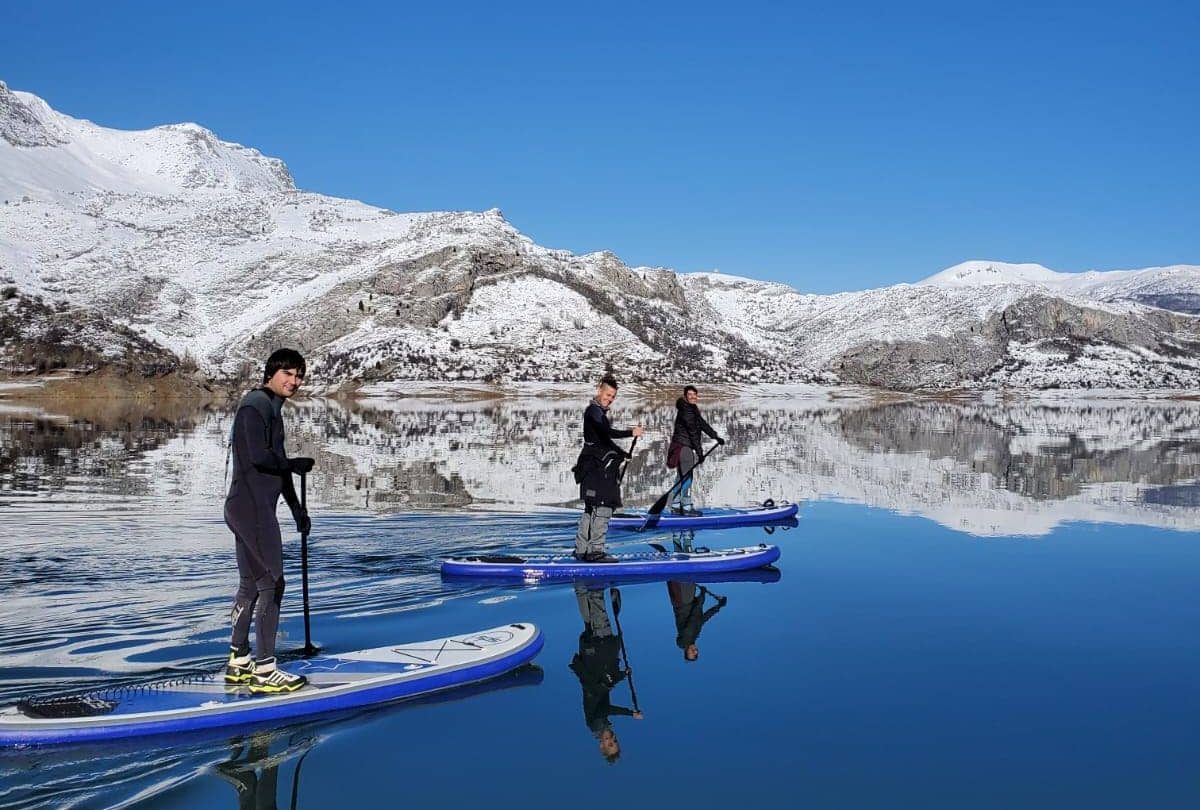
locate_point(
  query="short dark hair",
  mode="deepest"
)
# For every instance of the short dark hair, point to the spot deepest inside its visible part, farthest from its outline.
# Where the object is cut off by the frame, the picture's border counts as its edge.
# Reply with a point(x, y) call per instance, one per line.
point(284, 358)
point(690, 389)
point(610, 381)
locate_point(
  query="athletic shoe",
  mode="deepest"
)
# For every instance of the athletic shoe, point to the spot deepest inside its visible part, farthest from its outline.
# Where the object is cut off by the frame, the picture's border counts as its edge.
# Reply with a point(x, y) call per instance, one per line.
point(598, 557)
point(239, 670)
point(275, 681)
point(689, 512)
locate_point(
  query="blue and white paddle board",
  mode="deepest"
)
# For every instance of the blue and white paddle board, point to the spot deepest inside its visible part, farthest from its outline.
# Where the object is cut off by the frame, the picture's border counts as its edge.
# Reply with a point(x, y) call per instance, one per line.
point(642, 563)
point(715, 518)
point(335, 682)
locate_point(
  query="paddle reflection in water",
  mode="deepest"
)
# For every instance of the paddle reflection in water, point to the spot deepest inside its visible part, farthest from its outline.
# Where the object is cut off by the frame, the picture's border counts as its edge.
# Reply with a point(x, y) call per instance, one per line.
point(598, 666)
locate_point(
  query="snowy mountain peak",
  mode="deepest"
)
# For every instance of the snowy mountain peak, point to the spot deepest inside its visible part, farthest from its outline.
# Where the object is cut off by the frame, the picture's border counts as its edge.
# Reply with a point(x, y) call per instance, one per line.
point(986, 273)
point(168, 160)
point(27, 121)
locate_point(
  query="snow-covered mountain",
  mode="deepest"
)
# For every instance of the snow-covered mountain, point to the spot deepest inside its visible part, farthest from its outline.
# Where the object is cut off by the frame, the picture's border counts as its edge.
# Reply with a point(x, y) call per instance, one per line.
point(171, 242)
point(1176, 287)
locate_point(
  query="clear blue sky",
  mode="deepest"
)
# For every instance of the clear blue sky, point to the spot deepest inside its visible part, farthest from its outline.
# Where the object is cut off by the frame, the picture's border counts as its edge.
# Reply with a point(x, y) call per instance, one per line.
point(829, 148)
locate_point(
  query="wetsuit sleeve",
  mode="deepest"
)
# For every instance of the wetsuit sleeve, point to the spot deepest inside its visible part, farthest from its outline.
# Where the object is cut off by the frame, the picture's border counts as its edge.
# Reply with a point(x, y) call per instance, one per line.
point(620, 711)
point(252, 431)
point(289, 494)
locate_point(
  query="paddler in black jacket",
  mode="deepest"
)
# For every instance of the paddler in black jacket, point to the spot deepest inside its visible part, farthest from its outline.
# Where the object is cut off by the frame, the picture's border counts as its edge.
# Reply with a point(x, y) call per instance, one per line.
point(262, 472)
point(598, 473)
point(685, 447)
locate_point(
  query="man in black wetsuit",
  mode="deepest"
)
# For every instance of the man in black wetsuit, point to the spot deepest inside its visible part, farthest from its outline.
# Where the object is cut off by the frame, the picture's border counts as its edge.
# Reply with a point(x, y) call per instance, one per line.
point(598, 473)
point(685, 448)
point(261, 473)
point(598, 667)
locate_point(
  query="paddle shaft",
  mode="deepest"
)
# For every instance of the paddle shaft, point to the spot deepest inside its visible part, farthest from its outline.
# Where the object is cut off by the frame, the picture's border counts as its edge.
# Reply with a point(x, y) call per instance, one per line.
point(616, 602)
point(625, 466)
point(309, 649)
point(656, 510)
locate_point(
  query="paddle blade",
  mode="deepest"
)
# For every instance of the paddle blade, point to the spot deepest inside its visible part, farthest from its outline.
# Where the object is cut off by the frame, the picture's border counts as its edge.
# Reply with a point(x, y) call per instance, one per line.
point(661, 503)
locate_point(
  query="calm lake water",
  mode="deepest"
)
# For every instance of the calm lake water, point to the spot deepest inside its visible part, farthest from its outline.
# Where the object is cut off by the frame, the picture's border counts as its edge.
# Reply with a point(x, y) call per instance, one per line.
point(983, 605)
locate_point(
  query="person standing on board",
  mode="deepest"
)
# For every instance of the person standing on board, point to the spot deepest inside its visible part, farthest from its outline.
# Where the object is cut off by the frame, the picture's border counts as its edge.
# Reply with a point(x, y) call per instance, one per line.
point(685, 447)
point(598, 473)
point(262, 472)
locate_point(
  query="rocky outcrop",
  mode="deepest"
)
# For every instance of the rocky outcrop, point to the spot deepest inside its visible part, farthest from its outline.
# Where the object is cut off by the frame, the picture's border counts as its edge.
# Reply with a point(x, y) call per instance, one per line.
point(36, 337)
point(1039, 341)
point(21, 126)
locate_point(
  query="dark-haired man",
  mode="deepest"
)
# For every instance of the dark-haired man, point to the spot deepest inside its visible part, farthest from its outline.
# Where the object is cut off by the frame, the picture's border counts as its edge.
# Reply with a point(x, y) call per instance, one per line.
point(262, 472)
point(685, 448)
point(598, 472)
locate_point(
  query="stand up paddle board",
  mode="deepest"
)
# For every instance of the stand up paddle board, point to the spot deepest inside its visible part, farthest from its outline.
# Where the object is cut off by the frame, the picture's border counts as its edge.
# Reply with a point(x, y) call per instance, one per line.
point(716, 518)
point(642, 563)
point(335, 682)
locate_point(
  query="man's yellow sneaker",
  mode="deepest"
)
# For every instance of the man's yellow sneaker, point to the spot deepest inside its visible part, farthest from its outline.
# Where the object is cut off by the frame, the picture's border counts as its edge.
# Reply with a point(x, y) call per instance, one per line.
point(239, 669)
point(274, 681)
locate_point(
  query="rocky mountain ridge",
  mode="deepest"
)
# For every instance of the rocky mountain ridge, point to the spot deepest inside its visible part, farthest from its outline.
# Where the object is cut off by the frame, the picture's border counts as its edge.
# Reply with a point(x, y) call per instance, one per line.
point(207, 251)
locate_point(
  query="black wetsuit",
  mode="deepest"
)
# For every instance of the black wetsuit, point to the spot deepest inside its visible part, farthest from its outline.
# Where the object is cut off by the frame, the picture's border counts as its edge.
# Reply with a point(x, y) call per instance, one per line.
point(261, 473)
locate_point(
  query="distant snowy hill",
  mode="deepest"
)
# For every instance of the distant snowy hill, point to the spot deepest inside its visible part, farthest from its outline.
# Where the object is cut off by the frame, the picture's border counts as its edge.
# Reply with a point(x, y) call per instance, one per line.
point(172, 238)
point(1176, 287)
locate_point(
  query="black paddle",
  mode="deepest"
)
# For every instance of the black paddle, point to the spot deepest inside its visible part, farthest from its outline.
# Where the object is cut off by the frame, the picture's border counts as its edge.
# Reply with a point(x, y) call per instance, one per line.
point(616, 603)
point(625, 466)
point(309, 648)
point(655, 512)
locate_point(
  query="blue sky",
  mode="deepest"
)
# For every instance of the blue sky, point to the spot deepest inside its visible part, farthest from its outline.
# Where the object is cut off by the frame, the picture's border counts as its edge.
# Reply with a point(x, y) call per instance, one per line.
point(831, 149)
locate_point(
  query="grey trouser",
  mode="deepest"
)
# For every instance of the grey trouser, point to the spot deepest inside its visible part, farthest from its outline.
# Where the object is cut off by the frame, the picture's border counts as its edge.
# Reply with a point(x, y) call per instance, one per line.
point(593, 528)
point(683, 494)
point(593, 610)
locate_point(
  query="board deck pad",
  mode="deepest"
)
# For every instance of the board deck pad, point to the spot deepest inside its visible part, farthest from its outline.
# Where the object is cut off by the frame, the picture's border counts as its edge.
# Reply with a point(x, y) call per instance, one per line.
point(336, 682)
point(713, 518)
point(642, 563)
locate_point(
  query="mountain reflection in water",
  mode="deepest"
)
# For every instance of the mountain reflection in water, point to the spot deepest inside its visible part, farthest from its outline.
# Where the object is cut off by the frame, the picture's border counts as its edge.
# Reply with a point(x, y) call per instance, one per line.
point(983, 469)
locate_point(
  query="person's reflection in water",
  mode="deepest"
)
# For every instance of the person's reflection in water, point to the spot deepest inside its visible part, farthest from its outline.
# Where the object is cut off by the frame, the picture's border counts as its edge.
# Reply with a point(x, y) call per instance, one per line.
point(598, 667)
point(254, 771)
point(687, 601)
point(684, 540)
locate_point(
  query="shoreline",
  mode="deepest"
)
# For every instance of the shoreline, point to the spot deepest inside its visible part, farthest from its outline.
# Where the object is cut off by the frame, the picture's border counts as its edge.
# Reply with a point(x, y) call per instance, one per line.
point(107, 386)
